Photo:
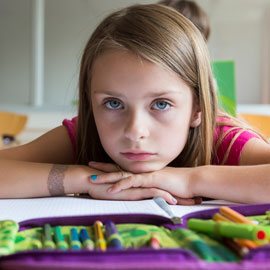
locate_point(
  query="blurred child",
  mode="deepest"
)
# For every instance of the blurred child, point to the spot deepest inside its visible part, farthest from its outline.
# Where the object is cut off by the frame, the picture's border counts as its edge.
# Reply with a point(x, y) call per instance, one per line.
point(193, 12)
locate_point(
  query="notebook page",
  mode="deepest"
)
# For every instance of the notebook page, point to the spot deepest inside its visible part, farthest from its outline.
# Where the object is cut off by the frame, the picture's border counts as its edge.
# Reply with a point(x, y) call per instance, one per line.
point(22, 209)
point(181, 210)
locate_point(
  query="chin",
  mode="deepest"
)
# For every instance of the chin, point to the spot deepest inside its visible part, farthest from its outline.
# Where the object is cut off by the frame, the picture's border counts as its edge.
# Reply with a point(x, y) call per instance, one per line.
point(142, 168)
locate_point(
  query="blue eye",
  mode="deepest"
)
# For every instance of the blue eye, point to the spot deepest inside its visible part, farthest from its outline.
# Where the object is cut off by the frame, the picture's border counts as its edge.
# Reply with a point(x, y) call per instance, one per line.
point(113, 104)
point(161, 105)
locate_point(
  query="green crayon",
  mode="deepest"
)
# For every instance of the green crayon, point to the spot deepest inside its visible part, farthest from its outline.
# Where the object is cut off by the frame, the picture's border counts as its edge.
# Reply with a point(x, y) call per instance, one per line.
point(48, 242)
point(220, 248)
point(230, 230)
point(59, 238)
point(195, 243)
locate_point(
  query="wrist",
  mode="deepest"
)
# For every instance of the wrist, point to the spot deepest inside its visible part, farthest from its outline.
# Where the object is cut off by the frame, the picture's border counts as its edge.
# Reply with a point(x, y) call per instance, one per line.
point(197, 179)
point(76, 180)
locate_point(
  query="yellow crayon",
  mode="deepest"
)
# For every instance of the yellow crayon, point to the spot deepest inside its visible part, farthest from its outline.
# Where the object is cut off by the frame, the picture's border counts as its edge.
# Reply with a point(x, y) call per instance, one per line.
point(218, 217)
point(99, 237)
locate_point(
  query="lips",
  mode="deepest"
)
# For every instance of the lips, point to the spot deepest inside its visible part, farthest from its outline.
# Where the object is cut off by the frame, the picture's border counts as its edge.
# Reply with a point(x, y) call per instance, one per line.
point(135, 155)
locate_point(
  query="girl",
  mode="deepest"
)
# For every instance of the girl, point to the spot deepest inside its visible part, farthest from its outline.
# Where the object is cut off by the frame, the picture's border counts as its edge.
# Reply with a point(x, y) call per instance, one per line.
point(148, 124)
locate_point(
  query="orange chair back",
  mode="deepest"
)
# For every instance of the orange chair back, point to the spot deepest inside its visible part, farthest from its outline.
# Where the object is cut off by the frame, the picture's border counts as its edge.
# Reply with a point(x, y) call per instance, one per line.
point(259, 122)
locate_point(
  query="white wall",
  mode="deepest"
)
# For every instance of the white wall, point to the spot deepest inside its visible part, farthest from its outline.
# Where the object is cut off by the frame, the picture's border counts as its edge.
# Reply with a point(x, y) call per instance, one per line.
point(14, 51)
point(236, 34)
point(69, 25)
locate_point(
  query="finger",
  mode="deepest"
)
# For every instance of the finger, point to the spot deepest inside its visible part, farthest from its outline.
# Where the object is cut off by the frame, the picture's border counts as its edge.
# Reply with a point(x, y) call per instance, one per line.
point(144, 180)
point(132, 181)
point(108, 177)
point(105, 167)
point(145, 193)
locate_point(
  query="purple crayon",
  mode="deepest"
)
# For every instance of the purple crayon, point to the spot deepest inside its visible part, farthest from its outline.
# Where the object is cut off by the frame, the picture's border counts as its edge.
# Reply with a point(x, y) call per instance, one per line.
point(113, 238)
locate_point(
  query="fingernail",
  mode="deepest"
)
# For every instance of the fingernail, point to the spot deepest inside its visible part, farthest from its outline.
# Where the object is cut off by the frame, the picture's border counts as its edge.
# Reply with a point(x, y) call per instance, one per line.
point(174, 200)
point(109, 190)
point(94, 177)
point(92, 162)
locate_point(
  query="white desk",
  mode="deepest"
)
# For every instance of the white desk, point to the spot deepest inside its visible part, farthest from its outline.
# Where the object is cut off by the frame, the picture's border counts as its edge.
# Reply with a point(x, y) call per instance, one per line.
point(254, 108)
point(40, 120)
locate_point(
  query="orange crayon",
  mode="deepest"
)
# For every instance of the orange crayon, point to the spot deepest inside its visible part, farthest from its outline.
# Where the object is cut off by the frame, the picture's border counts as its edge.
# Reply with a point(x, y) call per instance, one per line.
point(234, 216)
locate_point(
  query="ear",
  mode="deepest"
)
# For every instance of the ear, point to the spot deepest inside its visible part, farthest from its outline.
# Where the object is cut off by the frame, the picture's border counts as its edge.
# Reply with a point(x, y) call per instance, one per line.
point(196, 117)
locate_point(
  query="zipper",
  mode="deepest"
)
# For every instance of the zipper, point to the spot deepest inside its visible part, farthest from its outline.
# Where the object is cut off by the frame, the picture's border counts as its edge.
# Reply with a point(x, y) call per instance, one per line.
point(158, 259)
point(98, 266)
point(89, 220)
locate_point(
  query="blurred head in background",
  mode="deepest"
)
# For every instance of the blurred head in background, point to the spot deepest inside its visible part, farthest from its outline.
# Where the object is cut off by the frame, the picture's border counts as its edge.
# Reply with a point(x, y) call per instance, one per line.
point(193, 12)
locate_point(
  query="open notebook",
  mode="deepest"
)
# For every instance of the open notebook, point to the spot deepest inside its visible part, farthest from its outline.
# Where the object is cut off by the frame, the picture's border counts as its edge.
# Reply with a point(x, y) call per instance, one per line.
point(22, 209)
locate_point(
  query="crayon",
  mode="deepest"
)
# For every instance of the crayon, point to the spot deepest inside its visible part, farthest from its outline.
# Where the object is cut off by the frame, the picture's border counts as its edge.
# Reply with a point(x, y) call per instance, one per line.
point(234, 216)
point(59, 238)
point(85, 239)
point(241, 242)
point(239, 250)
point(230, 230)
point(48, 242)
point(75, 241)
point(99, 237)
point(218, 217)
point(224, 252)
point(194, 242)
point(113, 238)
point(246, 243)
point(154, 242)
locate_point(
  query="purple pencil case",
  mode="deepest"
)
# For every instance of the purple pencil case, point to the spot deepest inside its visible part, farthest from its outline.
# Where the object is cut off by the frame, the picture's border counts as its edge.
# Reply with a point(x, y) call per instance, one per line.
point(131, 259)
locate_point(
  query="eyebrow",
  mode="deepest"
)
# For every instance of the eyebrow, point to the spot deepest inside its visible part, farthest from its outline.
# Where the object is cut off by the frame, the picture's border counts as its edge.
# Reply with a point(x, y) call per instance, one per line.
point(153, 94)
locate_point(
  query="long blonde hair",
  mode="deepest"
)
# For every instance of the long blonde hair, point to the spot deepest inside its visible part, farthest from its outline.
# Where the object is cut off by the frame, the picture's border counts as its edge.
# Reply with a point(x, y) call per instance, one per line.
point(162, 36)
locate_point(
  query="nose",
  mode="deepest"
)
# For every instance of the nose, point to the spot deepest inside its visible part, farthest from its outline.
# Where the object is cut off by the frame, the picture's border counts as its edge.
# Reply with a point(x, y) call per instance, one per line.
point(136, 127)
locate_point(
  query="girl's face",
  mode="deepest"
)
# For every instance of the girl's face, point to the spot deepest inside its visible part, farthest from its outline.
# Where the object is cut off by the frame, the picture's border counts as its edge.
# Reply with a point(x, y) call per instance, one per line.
point(143, 112)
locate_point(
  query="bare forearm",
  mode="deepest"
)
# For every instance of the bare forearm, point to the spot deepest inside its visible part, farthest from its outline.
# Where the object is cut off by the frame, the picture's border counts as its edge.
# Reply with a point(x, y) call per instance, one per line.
point(19, 179)
point(244, 184)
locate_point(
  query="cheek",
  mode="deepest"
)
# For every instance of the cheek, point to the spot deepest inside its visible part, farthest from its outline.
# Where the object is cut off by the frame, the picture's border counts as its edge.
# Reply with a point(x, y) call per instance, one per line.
point(107, 130)
point(174, 136)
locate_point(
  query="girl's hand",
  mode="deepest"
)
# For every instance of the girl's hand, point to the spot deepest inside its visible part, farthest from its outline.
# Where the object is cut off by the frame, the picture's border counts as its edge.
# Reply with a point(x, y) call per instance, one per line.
point(132, 194)
point(170, 180)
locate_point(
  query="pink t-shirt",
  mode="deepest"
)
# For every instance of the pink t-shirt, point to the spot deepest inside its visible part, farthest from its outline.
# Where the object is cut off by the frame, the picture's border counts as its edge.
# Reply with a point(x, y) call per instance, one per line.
point(230, 140)
point(229, 143)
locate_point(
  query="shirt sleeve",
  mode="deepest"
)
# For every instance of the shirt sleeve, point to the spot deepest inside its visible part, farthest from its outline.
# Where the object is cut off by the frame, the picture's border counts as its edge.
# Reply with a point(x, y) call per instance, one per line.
point(230, 144)
point(71, 128)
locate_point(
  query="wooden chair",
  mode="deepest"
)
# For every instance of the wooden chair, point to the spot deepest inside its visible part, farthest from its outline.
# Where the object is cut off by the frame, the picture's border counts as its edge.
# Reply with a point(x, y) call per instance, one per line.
point(259, 122)
point(11, 124)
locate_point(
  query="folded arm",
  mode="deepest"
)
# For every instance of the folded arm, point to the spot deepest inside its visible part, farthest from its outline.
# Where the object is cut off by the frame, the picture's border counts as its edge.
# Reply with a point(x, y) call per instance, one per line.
point(248, 183)
point(28, 170)
point(44, 168)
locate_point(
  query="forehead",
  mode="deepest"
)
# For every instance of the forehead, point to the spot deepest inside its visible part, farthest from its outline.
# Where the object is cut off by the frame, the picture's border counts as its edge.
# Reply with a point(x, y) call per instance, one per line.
point(117, 69)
